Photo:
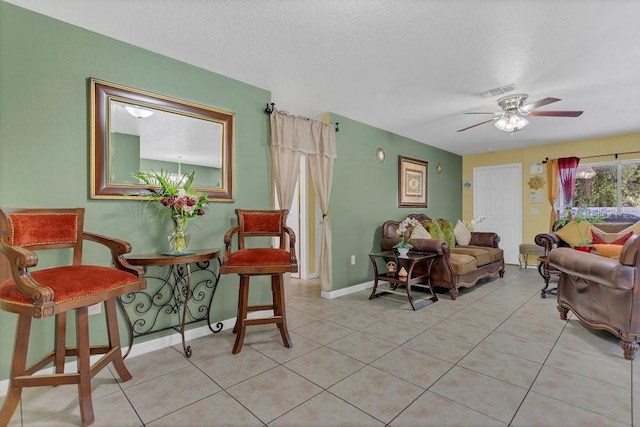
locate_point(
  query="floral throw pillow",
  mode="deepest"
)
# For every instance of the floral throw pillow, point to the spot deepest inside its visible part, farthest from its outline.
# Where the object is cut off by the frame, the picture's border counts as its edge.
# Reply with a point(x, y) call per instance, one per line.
point(449, 235)
point(462, 233)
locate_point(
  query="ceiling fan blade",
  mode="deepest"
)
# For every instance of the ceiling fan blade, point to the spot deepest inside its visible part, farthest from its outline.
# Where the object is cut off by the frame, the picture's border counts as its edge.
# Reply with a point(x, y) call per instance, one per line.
point(476, 112)
point(538, 104)
point(556, 113)
point(477, 124)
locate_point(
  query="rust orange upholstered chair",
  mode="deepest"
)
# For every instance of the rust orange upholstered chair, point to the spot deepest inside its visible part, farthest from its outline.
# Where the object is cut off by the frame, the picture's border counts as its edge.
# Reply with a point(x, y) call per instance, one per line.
point(37, 293)
point(260, 261)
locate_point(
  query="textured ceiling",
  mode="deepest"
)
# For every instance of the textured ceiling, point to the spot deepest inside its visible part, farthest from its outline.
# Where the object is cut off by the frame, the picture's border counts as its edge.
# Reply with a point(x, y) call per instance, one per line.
point(411, 67)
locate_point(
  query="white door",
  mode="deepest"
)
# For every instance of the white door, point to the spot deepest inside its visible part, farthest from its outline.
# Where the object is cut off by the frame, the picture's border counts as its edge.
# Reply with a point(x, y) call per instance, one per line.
point(497, 193)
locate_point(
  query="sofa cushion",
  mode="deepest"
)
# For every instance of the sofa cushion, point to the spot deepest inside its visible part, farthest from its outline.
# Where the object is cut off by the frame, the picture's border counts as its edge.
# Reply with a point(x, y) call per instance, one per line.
point(573, 232)
point(462, 233)
point(463, 264)
point(495, 254)
point(482, 256)
point(608, 250)
point(449, 236)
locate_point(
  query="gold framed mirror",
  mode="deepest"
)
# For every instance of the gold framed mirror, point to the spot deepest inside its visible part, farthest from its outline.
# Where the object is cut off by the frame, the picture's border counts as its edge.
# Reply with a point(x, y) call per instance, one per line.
point(134, 130)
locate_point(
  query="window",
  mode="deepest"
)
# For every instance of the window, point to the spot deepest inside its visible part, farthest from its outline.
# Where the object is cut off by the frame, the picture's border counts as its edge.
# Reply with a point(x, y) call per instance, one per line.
point(610, 189)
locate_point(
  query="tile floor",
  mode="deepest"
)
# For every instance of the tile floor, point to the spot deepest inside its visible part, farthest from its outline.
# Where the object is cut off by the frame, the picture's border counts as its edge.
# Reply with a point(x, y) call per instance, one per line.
point(499, 355)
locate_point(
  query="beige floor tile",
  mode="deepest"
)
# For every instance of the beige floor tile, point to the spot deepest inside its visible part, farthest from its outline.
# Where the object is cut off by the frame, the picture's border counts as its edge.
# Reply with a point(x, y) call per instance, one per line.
point(323, 331)
point(297, 318)
point(229, 369)
point(615, 370)
point(158, 397)
point(391, 331)
point(534, 351)
point(412, 366)
point(219, 410)
point(530, 331)
point(481, 393)
point(276, 350)
point(377, 393)
point(474, 317)
point(502, 366)
point(321, 308)
point(324, 366)
point(578, 337)
point(208, 346)
point(41, 402)
point(422, 319)
point(353, 319)
point(597, 396)
point(437, 411)
point(325, 410)
point(381, 308)
point(448, 349)
point(362, 347)
point(539, 411)
point(273, 393)
point(154, 364)
point(460, 331)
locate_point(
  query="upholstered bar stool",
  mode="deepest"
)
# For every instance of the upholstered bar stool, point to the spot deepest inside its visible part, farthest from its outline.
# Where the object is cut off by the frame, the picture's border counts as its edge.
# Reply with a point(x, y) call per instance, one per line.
point(37, 293)
point(260, 261)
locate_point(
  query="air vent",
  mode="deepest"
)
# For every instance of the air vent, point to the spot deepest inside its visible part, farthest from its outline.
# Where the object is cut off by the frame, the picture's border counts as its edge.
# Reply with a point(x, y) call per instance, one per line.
point(496, 91)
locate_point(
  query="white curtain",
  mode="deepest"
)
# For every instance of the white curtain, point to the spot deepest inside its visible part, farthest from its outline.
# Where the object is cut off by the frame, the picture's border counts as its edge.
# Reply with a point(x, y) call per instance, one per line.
point(290, 137)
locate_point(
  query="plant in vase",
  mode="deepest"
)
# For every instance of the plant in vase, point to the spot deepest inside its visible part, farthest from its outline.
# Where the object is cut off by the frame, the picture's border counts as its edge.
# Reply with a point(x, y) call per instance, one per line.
point(582, 219)
point(404, 231)
point(181, 201)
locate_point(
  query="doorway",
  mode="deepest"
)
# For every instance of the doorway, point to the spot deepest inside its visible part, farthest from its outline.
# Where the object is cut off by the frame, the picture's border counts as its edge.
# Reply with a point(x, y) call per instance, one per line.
point(497, 193)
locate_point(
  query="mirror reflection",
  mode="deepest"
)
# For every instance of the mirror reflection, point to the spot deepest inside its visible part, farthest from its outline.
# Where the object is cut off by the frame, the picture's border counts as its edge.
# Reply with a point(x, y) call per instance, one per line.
point(140, 131)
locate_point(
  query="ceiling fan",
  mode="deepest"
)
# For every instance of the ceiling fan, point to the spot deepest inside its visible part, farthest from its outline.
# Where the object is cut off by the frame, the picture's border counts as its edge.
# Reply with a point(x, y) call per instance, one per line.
point(512, 117)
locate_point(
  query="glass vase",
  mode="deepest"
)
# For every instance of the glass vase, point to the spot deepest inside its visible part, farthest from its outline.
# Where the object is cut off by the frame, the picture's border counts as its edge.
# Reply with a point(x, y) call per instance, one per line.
point(179, 238)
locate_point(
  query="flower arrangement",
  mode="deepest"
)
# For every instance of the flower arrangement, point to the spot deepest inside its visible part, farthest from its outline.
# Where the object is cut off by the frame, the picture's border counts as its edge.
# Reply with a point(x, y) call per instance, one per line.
point(578, 215)
point(182, 202)
point(404, 231)
point(477, 220)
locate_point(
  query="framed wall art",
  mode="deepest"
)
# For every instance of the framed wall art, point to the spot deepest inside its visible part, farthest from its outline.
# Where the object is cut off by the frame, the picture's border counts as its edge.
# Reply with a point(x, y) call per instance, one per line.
point(412, 183)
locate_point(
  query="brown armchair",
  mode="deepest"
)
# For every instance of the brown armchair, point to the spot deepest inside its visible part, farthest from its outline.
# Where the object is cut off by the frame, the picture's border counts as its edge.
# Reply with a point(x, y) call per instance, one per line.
point(604, 293)
point(38, 293)
point(247, 262)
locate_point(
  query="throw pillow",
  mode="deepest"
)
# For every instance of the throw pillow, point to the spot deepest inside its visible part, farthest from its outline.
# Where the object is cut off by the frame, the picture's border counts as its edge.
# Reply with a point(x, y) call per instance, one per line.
point(449, 235)
point(436, 231)
point(573, 232)
point(608, 250)
point(462, 233)
point(606, 239)
point(419, 232)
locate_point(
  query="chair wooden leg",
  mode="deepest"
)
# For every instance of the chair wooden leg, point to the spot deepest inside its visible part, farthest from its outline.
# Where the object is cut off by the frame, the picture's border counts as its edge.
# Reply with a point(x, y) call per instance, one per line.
point(114, 339)
point(243, 303)
point(60, 342)
point(277, 285)
point(18, 367)
point(84, 367)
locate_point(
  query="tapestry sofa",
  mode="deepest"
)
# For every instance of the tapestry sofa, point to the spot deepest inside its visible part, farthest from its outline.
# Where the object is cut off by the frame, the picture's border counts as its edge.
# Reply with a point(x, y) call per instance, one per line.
point(455, 267)
point(602, 292)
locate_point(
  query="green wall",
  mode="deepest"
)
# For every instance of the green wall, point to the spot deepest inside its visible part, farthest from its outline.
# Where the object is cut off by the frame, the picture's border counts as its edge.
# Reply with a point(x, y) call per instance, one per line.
point(365, 193)
point(44, 154)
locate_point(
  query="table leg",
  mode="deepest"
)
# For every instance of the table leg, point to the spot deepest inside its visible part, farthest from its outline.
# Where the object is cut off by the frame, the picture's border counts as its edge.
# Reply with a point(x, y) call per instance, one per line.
point(187, 295)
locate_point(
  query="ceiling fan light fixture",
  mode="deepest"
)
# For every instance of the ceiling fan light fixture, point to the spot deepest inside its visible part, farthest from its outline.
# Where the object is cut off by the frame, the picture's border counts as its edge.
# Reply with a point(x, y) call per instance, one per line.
point(511, 122)
point(137, 112)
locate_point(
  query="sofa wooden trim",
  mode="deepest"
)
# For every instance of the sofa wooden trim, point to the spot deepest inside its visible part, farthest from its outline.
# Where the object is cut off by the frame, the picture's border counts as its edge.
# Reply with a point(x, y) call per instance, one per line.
point(604, 293)
point(443, 273)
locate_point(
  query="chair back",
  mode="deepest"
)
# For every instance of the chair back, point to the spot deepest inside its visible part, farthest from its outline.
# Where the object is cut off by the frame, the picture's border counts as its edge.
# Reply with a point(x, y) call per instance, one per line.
point(261, 223)
point(38, 229)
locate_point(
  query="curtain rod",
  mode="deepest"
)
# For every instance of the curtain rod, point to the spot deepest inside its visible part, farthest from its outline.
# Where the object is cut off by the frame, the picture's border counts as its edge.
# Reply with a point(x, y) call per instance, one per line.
point(271, 107)
point(546, 159)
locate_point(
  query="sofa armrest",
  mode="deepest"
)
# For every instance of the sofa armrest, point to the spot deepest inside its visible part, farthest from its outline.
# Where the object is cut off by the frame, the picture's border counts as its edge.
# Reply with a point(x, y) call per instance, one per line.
point(490, 240)
point(419, 245)
point(630, 254)
point(549, 241)
point(593, 268)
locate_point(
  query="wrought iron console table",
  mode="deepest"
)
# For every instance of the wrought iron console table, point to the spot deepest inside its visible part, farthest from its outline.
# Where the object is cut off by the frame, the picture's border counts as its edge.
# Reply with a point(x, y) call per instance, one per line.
point(172, 293)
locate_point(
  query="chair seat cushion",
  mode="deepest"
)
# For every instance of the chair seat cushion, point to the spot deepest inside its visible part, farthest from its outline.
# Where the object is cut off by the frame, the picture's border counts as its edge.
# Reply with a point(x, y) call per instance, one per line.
point(463, 264)
point(259, 257)
point(71, 282)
